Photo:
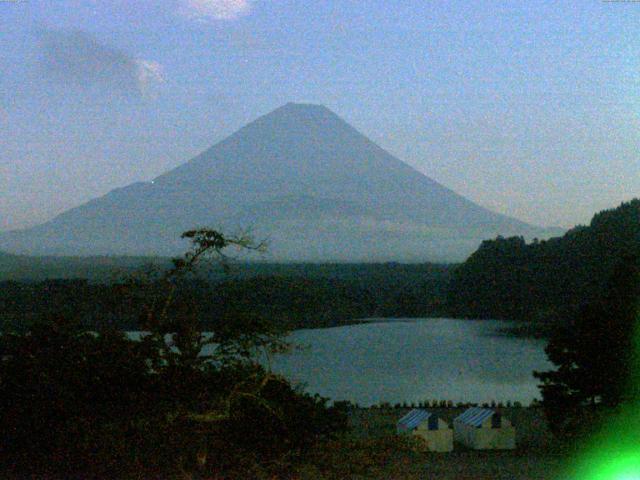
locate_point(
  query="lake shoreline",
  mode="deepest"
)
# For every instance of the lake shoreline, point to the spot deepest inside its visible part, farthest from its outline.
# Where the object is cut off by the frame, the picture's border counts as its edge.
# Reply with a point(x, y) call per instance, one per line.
point(516, 329)
point(378, 360)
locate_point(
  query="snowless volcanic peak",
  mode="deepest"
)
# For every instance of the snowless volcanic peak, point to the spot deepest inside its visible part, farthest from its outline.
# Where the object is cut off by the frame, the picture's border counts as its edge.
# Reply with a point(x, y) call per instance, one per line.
point(300, 176)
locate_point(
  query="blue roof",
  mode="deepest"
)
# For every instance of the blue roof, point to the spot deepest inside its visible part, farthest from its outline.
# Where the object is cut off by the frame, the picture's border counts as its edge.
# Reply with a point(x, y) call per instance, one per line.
point(414, 418)
point(475, 416)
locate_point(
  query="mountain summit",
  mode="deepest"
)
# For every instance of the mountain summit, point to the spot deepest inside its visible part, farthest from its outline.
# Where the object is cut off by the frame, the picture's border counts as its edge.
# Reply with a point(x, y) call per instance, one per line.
point(300, 176)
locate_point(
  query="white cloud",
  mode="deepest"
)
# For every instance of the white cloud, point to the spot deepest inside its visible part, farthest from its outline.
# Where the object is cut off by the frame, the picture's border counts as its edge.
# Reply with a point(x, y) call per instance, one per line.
point(149, 73)
point(215, 9)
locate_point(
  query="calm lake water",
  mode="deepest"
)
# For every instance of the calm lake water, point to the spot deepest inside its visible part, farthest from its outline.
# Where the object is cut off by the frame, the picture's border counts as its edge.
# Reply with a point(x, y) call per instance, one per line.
point(397, 360)
point(416, 359)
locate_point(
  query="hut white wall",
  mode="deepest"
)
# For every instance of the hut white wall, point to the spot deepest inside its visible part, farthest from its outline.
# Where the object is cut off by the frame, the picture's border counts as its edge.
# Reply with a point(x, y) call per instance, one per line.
point(485, 437)
point(436, 440)
point(440, 440)
point(495, 439)
point(463, 433)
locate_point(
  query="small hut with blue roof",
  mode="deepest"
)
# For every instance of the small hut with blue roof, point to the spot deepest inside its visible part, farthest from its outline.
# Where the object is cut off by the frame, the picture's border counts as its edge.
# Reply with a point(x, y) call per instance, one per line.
point(428, 426)
point(484, 429)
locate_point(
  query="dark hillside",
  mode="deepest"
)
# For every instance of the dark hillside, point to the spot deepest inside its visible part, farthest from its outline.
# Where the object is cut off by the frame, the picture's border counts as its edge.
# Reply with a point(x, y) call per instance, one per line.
point(94, 269)
point(298, 296)
point(507, 278)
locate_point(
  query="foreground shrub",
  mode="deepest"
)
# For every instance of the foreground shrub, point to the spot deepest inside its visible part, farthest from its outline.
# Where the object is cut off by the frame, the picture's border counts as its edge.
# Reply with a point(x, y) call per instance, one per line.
point(82, 404)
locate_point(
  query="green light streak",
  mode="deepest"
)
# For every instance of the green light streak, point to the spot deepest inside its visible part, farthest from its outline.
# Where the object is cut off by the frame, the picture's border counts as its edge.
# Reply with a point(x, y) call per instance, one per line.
point(612, 456)
point(614, 452)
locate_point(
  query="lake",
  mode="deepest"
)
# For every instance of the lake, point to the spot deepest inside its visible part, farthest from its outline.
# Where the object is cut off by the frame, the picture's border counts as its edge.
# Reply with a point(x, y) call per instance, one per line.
point(416, 359)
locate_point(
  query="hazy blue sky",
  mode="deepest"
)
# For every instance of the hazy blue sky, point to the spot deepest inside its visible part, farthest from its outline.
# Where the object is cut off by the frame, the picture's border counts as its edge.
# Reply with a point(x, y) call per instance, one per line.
point(530, 108)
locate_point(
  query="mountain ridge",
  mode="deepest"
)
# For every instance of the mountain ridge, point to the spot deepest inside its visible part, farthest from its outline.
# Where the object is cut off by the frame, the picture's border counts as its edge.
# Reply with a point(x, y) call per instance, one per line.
point(298, 151)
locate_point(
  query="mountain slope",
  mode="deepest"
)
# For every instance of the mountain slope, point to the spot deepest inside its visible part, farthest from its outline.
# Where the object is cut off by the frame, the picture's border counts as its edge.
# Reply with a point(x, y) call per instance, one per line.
point(300, 176)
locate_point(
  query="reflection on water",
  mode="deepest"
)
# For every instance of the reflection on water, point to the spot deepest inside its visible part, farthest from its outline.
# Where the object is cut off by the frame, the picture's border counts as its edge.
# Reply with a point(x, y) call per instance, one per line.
point(414, 360)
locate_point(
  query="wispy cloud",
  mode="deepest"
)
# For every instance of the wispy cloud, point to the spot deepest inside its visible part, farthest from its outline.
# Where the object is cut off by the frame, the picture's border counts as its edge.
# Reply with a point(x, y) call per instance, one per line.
point(149, 74)
point(77, 57)
point(204, 10)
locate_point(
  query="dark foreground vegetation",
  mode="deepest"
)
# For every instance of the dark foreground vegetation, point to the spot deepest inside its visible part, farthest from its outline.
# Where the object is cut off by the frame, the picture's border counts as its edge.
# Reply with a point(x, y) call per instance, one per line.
point(78, 399)
point(294, 296)
point(549, 280)
point(597, 358)
point(89, 403)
